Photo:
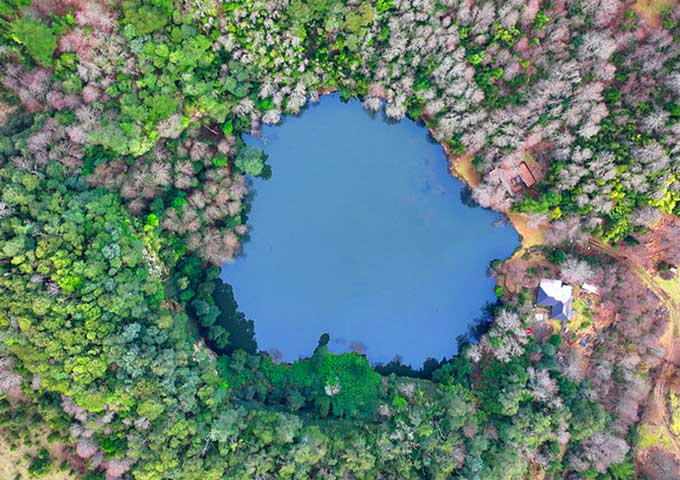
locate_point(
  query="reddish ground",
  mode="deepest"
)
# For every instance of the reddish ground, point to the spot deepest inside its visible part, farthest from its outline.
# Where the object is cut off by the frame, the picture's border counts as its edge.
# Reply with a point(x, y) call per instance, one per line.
point(660, 243)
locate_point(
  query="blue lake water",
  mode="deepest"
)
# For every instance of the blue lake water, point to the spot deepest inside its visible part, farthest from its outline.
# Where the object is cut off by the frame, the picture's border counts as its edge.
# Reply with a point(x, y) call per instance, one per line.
point(361, 233)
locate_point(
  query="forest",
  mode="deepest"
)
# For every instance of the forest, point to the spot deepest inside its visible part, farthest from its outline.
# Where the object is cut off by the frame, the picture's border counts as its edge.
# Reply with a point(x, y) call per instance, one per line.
point(125, 185)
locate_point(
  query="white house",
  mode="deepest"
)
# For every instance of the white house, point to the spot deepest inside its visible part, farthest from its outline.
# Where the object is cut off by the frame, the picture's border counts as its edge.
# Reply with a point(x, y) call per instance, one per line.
point(557, 296)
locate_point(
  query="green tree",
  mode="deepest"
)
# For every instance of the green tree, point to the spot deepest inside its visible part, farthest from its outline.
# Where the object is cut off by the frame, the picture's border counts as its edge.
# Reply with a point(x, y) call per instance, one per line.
point(146, 16)
point(250, 160)
point(37, 37)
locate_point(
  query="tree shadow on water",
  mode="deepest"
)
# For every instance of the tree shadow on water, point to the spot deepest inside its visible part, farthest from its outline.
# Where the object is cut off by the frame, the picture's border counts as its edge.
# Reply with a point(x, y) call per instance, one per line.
point(467, 199)
point(478, 328)
point(241, 330)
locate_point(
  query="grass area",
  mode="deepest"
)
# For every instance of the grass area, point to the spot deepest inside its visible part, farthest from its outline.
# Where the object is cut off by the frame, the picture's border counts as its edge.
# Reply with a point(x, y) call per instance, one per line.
point(583, 318)
point(463, 168)
point(672, 287)
point(14, 464)
point(556, 325)
point(652, 10)
point(675, 413)
point(653, 436)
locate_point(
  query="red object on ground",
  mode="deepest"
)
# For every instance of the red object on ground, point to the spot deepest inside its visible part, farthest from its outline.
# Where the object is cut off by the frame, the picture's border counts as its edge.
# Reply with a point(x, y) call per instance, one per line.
point(526, 175)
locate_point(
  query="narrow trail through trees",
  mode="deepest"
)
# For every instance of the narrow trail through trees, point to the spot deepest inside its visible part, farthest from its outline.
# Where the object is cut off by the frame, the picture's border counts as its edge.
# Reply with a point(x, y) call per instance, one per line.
point(659, 396)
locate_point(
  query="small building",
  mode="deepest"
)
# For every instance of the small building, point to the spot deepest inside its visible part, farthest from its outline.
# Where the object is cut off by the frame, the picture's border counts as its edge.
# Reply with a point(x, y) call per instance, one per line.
point(519, 176)
point(557, 296)
point(591, 289)
point(526, 175)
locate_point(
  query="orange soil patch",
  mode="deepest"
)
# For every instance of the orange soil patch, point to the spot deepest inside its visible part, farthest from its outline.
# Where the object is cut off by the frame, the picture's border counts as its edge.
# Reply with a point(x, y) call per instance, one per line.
point(531, 234)
point(462, 167)
point(651, 10)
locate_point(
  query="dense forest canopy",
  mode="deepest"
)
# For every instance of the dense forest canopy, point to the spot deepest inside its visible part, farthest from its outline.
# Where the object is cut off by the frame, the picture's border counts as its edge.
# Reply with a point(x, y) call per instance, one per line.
point(124, 185)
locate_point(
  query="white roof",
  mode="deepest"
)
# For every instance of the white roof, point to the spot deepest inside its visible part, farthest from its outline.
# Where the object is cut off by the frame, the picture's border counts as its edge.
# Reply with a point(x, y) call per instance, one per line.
point(556, 289)
point(590, 288)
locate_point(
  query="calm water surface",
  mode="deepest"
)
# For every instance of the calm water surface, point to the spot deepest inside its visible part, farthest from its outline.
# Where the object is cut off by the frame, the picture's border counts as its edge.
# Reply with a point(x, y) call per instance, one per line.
point(361, 233)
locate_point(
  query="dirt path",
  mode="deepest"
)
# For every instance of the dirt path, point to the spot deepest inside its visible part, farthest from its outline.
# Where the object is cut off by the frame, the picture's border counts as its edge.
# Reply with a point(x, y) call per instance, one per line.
point(671, 341)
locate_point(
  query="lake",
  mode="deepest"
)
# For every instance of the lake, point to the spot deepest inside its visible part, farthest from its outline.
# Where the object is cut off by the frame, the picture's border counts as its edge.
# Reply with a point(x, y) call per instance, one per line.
point(362, 233)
